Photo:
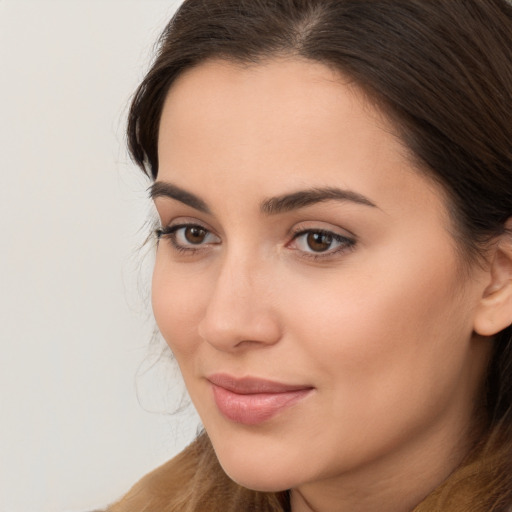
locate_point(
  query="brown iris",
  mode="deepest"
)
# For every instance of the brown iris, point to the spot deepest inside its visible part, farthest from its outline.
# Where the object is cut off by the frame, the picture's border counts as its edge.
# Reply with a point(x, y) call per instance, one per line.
point(319, 242)
point(195, 234)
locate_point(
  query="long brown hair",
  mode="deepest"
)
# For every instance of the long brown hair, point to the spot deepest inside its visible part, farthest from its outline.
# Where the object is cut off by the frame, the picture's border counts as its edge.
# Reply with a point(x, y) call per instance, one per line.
point(442, 71)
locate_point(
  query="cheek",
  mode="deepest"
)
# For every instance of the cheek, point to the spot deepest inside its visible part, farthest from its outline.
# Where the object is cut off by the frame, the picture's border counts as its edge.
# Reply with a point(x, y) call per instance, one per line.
point(385, 338)
point(178, 300)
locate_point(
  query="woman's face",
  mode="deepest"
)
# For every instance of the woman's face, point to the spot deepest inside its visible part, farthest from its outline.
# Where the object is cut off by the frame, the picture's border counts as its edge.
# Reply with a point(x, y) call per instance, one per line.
point(307, 281)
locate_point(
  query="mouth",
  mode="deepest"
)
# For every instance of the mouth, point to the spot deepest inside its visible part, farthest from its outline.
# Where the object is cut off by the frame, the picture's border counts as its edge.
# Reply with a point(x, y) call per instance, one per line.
point(251, 401)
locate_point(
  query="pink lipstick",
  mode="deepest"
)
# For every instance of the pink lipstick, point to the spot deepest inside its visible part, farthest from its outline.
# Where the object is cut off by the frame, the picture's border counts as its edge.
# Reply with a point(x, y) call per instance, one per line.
point(251, 401)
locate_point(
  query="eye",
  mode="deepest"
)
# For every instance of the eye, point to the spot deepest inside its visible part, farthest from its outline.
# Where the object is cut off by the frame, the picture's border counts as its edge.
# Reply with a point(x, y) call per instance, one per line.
point(319, 242)
point(194, 235)
point(188, 237)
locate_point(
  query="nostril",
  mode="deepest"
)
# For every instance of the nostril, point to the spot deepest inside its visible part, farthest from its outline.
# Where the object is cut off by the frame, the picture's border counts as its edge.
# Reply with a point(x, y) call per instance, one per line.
point(239, 313)
point(239, 329)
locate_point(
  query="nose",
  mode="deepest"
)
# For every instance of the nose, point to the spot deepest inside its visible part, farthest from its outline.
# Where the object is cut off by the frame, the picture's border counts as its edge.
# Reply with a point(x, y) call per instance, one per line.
point(241, 311)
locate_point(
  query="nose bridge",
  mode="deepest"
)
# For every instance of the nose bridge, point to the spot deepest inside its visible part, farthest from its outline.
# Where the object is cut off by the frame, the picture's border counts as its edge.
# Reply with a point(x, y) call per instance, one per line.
point(240, 306)
point(237, 277)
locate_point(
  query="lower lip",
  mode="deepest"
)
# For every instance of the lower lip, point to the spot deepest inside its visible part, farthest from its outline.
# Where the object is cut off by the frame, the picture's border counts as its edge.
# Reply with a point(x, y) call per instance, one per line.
point(252, 409)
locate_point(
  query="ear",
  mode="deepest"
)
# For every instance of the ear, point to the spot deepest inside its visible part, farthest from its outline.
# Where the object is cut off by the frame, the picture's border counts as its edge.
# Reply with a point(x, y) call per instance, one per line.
point(494, 311)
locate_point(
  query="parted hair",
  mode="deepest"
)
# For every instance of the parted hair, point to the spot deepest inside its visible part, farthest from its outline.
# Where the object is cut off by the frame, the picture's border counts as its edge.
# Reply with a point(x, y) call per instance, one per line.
point(441, 70)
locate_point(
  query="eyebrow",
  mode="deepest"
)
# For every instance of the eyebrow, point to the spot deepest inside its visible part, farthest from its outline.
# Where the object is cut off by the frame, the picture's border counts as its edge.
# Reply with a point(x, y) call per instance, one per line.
point(271, 206)
point(164, 189)
point(303, 198)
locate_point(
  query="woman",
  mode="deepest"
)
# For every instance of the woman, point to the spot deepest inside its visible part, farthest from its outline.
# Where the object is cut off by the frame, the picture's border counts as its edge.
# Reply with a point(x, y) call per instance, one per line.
point(333, 274)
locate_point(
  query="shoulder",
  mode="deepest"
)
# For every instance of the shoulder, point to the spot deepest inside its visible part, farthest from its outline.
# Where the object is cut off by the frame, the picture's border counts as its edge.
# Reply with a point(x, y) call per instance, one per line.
point(194, 481)
point(160, 489)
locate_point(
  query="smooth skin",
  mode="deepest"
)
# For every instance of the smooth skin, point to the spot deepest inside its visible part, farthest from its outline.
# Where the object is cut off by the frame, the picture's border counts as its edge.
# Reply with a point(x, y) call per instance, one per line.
point(360, 296)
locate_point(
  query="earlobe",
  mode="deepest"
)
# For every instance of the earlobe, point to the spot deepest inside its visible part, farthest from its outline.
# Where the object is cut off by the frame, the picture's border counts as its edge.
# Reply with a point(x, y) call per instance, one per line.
point(494, 311)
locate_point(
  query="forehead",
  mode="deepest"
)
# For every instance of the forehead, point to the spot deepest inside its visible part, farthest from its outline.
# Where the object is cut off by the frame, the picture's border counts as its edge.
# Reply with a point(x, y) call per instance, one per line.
point(283, 124)
point(258, 95)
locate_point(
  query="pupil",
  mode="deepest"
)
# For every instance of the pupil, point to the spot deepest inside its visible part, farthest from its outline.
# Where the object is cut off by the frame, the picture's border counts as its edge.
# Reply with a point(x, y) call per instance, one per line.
point(195, 235)
point(319, 242)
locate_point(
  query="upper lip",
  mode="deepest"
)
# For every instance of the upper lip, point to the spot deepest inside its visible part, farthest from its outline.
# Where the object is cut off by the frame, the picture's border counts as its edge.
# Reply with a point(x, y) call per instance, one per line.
point(252, 385)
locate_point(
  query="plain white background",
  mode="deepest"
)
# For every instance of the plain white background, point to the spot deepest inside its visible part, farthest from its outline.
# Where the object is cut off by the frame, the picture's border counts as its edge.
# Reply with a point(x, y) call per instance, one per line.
point(74, 323)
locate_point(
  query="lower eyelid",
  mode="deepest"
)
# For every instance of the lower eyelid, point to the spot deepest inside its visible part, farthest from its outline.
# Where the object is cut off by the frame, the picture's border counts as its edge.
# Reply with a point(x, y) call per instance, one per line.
point(171, 235)
point(337, 252)
point(336, 236)
point(343, 243)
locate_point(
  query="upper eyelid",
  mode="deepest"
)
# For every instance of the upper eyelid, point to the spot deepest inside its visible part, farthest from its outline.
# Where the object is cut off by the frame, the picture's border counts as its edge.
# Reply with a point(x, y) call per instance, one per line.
point(186, 221)
point(169, 232)
point(172, 228)
point(295, 231)
point(336, 236)
point(345, 244)
point(300, 227)
point(297, 228)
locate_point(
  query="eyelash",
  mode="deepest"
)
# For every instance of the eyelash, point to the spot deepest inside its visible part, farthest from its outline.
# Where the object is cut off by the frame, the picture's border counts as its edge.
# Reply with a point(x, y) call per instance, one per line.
point(345, 243)
point(169, 232)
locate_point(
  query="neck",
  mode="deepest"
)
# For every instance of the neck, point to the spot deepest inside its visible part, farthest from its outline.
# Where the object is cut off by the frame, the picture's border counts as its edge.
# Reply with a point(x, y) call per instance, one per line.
point(396, 483)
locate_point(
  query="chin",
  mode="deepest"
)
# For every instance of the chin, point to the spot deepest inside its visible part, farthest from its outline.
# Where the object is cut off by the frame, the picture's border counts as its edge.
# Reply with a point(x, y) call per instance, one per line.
point(262, 475)
point(260, 482)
